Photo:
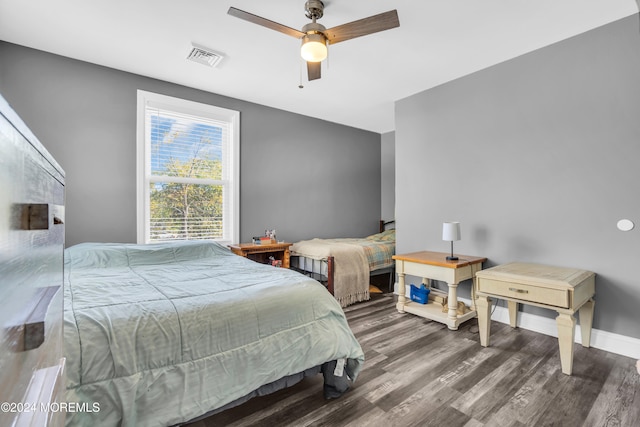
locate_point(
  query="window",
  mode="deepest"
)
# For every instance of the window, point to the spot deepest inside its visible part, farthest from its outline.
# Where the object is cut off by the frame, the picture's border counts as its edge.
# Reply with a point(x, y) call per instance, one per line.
point(188, 170)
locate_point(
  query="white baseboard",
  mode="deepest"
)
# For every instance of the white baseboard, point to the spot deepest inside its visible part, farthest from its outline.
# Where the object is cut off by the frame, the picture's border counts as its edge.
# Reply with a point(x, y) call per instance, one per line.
point(607, 341)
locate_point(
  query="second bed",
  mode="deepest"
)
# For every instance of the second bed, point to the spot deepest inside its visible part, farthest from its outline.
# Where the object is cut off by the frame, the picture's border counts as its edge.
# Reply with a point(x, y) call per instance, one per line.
point(345, 265)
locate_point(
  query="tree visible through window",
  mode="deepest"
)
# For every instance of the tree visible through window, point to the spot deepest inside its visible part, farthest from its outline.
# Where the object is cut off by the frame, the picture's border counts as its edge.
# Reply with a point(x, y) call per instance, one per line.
point(190, 173)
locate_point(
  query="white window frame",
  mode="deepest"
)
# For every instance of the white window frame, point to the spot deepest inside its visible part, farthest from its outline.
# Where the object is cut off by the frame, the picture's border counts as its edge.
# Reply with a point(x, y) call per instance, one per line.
point(231, 230)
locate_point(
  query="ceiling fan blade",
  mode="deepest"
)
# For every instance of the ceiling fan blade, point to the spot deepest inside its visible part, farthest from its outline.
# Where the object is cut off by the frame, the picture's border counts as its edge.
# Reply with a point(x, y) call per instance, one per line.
point(265, 22)
point(363, 27)
point(313, 70)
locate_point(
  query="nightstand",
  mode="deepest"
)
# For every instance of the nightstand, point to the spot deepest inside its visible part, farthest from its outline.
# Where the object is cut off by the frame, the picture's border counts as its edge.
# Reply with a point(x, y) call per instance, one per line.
point(434, 265)
point(261, 252)
point(565, 290)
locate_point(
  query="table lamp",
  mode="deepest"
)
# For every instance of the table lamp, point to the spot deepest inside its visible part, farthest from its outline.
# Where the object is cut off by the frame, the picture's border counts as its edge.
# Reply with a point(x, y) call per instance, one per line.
point(451, 232)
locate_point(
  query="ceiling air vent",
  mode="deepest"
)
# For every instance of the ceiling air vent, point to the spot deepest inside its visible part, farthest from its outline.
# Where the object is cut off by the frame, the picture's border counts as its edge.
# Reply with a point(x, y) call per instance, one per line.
point(204, 56)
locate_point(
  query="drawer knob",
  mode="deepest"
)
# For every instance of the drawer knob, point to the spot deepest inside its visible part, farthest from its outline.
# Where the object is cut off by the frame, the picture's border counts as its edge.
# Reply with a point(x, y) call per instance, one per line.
point(520, 291)
point(27, 330)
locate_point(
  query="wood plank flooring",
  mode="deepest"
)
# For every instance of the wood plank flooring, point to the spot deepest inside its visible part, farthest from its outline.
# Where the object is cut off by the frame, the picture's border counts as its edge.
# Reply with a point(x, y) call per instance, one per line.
point(418, 373)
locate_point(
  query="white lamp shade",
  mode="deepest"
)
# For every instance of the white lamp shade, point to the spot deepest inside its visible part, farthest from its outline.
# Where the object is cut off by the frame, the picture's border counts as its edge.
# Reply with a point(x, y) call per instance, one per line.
point(451, 231)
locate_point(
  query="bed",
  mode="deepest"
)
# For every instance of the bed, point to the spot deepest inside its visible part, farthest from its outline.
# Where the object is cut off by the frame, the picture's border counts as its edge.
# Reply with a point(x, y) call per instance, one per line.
point(345, 265)
point(164, 333)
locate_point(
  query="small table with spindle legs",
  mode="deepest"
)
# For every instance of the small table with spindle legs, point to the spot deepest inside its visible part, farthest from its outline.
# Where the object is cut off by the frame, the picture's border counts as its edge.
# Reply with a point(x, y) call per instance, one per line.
point(434, 265)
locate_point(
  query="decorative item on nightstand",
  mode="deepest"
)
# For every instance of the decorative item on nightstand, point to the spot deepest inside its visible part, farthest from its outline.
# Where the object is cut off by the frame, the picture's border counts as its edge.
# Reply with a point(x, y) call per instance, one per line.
point(269, 238)
point(450, 233)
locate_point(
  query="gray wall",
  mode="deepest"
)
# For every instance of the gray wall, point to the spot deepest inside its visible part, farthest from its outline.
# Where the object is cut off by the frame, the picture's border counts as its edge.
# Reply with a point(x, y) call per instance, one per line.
point(538, 159)
point(322, 179)
point(388, 172)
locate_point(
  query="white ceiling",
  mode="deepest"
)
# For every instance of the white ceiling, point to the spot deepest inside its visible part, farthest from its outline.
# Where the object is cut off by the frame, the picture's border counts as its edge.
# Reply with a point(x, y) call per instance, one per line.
point(437, 41)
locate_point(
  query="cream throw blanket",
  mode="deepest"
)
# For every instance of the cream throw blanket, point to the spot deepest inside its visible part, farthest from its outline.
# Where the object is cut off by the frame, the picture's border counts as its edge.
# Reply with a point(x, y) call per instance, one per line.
point(351, 268)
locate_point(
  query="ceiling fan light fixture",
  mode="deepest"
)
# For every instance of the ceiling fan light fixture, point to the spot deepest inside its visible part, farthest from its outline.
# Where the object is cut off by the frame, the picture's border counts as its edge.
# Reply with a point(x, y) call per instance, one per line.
point(315, 37)
point(314, 47)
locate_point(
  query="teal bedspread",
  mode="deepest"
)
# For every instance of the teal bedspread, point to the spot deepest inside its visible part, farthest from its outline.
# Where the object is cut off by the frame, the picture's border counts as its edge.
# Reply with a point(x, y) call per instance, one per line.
point(159, 334)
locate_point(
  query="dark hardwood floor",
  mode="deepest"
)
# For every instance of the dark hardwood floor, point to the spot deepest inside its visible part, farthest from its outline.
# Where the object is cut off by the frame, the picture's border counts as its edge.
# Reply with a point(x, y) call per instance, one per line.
point(418, 373)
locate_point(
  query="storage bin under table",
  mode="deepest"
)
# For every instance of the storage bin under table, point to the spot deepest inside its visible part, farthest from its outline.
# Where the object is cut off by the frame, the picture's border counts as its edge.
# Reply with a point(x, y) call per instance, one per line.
point(565, 290)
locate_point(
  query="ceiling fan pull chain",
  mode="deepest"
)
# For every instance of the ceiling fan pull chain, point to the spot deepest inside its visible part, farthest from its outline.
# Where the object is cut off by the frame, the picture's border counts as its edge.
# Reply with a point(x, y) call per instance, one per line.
point(326, 42)
point(300, 86)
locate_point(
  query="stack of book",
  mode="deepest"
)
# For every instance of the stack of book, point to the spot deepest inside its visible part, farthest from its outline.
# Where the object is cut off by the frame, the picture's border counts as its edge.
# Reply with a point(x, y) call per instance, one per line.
point(264, 240)
point(438, 296)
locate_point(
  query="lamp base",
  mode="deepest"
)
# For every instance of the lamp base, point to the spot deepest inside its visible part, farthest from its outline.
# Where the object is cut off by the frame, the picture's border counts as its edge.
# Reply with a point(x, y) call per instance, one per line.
point(452, 258)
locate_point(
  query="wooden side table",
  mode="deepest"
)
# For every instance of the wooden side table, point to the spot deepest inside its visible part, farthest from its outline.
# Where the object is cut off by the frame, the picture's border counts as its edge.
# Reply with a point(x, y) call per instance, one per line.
point(434, 265)
point(261, 253)
point(565, 290)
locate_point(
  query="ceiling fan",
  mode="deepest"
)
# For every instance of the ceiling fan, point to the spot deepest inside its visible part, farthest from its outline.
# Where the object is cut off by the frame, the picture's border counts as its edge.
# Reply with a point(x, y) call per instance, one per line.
point(315, 37)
